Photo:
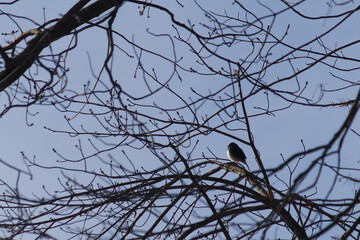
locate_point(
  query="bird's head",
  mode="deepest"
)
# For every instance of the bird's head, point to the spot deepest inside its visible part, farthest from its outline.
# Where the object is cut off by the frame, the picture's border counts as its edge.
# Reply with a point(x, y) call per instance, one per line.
point(231, 144)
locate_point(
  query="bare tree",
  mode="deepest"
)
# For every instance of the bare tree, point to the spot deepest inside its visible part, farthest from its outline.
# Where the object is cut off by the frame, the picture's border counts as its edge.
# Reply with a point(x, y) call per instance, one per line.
point(202, 74)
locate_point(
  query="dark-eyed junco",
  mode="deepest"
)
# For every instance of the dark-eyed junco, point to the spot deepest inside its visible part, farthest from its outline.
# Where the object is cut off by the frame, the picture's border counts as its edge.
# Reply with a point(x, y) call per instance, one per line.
point(236, 154)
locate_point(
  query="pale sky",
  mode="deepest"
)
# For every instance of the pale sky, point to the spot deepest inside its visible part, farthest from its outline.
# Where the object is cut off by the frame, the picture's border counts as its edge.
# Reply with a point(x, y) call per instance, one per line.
point(276, 134)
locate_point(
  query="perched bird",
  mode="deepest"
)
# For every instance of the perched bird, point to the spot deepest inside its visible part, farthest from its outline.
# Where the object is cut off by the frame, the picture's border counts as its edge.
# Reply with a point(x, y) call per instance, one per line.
point(236, 154)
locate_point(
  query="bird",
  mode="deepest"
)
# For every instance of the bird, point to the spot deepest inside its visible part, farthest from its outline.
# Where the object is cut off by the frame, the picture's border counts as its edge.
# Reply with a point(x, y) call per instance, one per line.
point(236, 154)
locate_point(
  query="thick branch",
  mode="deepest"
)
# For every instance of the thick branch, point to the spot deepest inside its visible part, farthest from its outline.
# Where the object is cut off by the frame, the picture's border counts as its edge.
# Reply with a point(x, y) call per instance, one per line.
point(273, 204)
point(74, 18)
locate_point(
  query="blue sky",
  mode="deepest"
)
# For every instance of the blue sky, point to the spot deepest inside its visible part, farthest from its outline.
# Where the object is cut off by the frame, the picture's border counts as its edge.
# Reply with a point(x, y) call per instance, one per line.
point(274, 134)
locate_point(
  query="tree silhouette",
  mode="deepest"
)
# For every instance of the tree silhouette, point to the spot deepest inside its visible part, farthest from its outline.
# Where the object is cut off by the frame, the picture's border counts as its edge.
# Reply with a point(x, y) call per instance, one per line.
point(173, 84)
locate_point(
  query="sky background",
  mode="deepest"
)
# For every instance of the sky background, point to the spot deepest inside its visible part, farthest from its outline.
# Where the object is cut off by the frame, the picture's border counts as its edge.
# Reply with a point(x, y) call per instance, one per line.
point(274, 135)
